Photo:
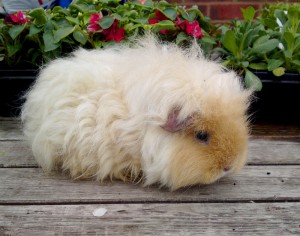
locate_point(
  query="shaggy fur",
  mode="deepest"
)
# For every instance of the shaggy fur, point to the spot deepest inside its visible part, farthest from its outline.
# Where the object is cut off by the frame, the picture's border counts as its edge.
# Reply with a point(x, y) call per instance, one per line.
point(133, 113)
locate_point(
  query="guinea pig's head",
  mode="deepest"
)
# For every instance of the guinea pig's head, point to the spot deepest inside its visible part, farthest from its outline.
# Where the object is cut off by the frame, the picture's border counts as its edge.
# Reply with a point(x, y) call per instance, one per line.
point(208, 143)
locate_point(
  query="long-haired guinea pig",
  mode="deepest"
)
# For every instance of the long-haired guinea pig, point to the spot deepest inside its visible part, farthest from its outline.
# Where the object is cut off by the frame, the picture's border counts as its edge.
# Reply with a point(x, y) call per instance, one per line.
point(154, 112)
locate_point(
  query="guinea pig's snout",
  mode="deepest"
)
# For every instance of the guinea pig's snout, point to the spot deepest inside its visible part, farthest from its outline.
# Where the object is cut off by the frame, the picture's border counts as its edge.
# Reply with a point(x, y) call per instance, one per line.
point(227, 169)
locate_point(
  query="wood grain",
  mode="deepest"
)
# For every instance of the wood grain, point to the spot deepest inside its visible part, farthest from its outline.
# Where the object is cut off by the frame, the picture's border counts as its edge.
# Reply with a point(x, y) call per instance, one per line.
point(254, 183)
point(10, 129)
point(153, 219)
point(16, 154)
point(272, 151)
point(266, 130)
point(263, 199)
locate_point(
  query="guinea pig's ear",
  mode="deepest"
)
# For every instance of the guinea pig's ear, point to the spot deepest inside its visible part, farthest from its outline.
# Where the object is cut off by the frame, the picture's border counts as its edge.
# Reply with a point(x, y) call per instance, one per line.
point(173, 124)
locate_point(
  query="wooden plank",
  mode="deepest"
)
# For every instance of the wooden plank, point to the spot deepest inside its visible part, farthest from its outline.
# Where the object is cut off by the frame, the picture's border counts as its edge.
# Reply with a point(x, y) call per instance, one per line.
point(264, 151)
point(275, 130)
point(253, 183)
point(18, 154)
point(10, 129)
point(152, 219)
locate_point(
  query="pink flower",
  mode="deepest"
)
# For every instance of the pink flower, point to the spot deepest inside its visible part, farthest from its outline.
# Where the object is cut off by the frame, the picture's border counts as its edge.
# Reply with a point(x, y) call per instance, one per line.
point(180, 24)
point(153, 21)
point(114, 32)
point(193, 29)
point(94, 19)
point(19, 18)
point(143, 1)
point(159, 16)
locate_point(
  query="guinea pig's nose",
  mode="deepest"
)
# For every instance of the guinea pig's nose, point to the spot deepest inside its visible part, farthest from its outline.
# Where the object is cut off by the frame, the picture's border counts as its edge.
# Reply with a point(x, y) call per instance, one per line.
point(227, 168)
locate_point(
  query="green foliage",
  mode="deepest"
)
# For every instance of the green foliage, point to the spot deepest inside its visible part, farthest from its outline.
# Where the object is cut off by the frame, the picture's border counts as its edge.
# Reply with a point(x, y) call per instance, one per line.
point(283, 21)
point(53, 33)
point(271, 42)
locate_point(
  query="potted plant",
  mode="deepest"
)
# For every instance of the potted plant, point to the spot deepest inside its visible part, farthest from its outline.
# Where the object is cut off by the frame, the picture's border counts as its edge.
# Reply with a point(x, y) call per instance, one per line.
point(266, 52)
point(30, 38)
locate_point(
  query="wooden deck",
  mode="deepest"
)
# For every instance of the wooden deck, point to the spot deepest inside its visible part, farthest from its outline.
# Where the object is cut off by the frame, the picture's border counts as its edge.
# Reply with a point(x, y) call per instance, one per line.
point(264, 199)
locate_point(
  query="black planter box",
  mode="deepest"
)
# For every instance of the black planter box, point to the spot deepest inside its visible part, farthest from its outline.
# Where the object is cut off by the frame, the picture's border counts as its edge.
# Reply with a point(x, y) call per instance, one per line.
point(277, 102)
point(13, 85)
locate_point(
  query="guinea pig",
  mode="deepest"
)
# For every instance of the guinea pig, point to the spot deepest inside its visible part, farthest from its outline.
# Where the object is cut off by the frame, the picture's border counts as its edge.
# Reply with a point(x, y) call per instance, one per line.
point(153, 112)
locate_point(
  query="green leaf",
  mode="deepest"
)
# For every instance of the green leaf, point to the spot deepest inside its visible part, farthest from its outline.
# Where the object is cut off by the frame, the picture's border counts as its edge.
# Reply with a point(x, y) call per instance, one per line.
point(293, 18)
point(281, 16)
point(130, 27)
point(170, 13)
point(106, 22)
point(229, 42)
point(245, 63)
point(86, 18)
point(163, 4)
point(39, 16)
point(73, 20)
point(164, 25)
point(141, 20)
point(13, 49)
point(296, 62)
point(289, 38)
point(270, 23)
point(252, 81)
point(60, 10)
point(258, 66)
point(248, 39)
point(80, 37)
point(248, 13)
point(16, 30)
point(98, 44)
point(148, 3)
point(49, 42)
point(288, 54)
point(49, 26)
point(62, 33)
point(208, 40)
point(78, 7)
point(265, 47)
point(297, 42)
point(187, 16)
point(279, 71)
point(261, 40)
point(181, 37)
point(274, 63)
point(61, 23)
point(34, 30)
point(122, 18)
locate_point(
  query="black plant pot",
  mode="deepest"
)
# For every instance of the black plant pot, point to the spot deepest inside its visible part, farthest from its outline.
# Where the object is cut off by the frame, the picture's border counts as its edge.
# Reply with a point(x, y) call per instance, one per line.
point(13, 85)
point(278, 101)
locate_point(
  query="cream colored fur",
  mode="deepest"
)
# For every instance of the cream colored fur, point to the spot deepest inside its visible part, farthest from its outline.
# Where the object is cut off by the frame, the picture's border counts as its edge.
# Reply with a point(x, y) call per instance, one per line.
point(101, 114)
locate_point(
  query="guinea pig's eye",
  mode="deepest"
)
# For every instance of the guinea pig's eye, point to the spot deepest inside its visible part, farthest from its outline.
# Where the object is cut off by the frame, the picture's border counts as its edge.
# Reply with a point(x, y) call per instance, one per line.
point(202, 136)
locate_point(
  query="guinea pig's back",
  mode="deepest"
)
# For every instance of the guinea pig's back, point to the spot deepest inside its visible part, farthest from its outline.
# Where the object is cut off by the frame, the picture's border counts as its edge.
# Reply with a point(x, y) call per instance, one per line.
point(62, 106)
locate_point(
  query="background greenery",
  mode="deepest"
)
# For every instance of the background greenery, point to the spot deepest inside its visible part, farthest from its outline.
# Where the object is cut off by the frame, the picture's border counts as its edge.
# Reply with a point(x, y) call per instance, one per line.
point(268, 41)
